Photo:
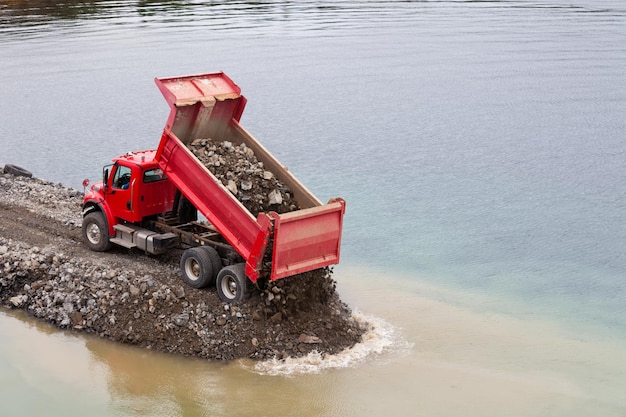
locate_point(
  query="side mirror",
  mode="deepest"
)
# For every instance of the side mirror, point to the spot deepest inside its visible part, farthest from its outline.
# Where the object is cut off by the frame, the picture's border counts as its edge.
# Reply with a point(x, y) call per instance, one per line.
point(105, 178)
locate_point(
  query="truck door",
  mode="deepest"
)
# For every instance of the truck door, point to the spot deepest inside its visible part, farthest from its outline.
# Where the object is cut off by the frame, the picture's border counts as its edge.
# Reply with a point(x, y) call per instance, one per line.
point(121, 194)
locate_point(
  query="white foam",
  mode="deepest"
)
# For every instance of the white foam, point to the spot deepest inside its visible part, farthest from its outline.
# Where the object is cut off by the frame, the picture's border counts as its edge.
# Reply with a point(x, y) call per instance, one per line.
point(379, 338)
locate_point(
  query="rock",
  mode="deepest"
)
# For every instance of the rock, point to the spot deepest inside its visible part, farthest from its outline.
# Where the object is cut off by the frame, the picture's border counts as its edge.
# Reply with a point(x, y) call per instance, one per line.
point(36, 285)
point(308, 339)
point(275, 198)
point(179, 292)
point(220, 321)
point(134, 291)
point(181, 319)
point(232, 186)
point(246, 185)
point(76, 318)
point(18, 300)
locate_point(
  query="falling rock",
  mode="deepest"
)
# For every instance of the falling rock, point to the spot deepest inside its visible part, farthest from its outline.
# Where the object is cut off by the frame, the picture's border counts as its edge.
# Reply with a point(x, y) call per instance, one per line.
point(275, 198)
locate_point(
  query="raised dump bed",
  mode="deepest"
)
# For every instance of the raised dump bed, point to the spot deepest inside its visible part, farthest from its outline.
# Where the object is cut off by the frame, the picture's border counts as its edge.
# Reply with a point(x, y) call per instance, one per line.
point(210, 106)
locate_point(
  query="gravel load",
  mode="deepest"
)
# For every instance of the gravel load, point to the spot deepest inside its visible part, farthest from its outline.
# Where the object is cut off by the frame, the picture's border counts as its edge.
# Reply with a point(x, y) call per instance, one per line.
point(126, 296)
point(245, 177)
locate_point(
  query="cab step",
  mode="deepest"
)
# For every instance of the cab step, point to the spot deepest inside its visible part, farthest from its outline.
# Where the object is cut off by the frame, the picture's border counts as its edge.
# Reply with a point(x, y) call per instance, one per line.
point(122, 242)
point(124, 236)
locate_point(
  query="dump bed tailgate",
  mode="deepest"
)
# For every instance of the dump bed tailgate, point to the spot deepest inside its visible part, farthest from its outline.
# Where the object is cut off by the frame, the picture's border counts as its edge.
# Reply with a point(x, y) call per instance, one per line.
point(307, 239)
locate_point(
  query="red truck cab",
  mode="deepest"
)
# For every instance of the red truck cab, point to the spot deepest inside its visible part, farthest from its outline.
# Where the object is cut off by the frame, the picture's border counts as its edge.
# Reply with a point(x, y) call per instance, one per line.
point(136, 187)
point(133, 188)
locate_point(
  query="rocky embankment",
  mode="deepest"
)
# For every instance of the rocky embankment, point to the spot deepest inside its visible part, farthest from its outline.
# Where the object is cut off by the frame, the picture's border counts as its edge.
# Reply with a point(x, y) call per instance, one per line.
point(134, 298)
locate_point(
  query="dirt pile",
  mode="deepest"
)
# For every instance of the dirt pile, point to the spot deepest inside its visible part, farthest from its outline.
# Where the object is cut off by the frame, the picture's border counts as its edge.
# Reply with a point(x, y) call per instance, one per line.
point(126, 296)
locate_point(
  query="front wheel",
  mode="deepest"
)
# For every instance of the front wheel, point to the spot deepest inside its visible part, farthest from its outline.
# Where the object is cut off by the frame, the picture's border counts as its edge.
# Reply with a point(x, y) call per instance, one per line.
point(232, 283)
point(96, 232)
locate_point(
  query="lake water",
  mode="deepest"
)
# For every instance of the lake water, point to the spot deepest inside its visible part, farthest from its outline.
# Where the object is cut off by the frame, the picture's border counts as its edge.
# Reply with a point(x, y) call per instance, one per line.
point(480, 147)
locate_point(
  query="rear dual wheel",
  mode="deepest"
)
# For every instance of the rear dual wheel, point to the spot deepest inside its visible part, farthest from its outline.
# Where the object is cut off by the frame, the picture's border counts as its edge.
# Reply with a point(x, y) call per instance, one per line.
point(232, 284)
point(199, 266)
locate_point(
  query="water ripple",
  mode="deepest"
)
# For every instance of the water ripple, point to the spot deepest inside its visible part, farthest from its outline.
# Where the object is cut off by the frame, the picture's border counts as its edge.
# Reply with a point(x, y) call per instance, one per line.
point(31, 19)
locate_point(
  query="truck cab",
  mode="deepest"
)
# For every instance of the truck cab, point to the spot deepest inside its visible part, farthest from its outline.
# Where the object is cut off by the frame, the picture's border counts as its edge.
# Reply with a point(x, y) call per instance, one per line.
point(136, 187)
point(133, 189)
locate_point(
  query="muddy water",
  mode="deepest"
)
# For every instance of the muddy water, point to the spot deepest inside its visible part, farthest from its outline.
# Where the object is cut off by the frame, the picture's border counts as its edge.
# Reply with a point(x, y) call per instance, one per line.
point(436, 361)
point(479, 146)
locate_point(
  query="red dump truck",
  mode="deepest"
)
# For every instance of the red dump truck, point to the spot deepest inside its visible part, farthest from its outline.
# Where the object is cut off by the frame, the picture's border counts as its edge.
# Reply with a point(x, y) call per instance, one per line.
point(149, 200)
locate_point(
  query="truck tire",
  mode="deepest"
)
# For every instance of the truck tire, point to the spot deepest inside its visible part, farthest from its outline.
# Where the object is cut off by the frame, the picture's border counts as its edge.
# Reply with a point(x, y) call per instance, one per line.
point(96, 232)
point(196, 267)
point(216, 262)
point(17, 171)
point(232, 284)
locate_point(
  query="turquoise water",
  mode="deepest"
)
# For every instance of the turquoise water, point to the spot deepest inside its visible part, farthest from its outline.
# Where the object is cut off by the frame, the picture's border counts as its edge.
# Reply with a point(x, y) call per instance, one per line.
point(479, 145)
